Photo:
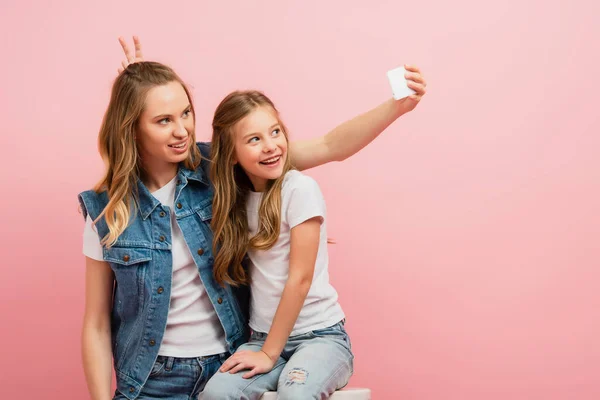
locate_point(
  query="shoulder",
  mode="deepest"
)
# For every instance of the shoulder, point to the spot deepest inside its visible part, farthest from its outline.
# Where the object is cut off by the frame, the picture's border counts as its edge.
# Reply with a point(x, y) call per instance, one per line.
point(301, 199)
point(204, 148)
point(296, 180)
point(92, 203)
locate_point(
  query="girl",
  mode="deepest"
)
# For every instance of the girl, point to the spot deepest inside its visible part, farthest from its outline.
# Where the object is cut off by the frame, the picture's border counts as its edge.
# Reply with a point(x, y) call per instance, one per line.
point(262, 206)
point(152, 304)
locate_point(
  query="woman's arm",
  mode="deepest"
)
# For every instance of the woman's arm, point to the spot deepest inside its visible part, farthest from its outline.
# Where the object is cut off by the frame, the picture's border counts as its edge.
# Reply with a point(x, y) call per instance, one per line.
point(304, 245)
point(95, 338)
point(352, 136)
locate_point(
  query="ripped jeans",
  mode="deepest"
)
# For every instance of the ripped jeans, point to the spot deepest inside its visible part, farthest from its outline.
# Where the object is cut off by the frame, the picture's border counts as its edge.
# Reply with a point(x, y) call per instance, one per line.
point(312, 365)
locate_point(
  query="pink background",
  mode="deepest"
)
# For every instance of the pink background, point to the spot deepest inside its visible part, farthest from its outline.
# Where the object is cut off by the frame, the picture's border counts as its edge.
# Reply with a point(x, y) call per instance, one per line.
point(468, 234)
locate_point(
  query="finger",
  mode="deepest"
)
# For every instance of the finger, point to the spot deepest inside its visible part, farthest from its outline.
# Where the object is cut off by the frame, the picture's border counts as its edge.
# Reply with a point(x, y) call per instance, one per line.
point(227, 365)
point(138, 49)
point(224, 368)
point(126, 49)
point(414, 77)
point(124, 64)
point(412, 68)
point(239, 367)
point(250, 374)
point(415, 97)
point(417, 87)
point(119, 70)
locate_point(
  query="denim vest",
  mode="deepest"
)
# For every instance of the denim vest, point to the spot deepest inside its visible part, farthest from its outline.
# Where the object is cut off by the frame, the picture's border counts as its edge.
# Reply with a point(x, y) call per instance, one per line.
point(142, 264)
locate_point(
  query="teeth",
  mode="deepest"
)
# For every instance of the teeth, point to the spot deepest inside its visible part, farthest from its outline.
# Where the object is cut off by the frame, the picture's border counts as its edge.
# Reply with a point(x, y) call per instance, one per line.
point(270, 160)
point(179, 146)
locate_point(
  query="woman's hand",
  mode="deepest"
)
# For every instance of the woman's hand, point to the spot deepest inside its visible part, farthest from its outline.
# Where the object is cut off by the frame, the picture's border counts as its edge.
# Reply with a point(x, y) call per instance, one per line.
point(130, 58)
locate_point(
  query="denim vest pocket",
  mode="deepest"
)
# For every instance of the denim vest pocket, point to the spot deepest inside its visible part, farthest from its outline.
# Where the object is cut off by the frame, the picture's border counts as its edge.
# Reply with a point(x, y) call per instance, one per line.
point(205, 213)
point(129, 265)
point(127, 255)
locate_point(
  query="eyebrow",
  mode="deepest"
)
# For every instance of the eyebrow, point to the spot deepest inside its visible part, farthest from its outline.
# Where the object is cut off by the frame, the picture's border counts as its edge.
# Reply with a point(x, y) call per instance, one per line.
point(168, 115)
point(257, 133)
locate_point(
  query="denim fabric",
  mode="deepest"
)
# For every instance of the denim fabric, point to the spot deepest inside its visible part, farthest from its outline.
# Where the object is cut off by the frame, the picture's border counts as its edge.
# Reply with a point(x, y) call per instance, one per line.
point(178, 378)
point(142, 264)
point(311, 366)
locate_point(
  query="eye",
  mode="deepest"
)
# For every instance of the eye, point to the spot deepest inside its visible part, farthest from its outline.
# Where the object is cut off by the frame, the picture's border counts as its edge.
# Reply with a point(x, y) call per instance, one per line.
point(186, 113)
point(252, 139)
point(164, 121)
point(276, 132)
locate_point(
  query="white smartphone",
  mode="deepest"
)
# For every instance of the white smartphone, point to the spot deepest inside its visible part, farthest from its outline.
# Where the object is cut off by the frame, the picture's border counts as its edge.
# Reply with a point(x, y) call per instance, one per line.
point(397, 80)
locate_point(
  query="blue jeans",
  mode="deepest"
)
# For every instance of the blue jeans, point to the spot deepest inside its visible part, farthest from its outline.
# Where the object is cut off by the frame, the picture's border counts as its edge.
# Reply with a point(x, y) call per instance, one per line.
point(311, 366)
point(178, 378)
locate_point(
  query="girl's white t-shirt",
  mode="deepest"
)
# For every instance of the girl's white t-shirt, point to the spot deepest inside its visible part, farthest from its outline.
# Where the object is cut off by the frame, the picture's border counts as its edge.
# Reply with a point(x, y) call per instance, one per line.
point(193, 328)
point(301, 200)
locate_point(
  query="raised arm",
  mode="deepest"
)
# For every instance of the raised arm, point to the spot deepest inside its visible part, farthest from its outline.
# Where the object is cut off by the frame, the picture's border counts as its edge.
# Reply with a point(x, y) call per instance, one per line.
point(352, 136)
point(346, 139)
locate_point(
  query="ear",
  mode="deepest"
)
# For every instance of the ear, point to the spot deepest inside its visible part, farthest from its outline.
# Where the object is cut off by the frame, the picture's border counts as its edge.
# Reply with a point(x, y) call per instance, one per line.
point(234, 160)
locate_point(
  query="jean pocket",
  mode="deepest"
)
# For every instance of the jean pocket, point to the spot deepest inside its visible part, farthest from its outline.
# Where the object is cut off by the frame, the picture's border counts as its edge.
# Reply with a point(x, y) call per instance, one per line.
point(335, 332)
point(157, 368)
point(337, 329)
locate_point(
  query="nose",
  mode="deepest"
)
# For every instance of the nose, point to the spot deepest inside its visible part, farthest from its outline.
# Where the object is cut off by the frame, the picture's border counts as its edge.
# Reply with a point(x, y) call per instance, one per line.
point(180, 132)
point(269, 145)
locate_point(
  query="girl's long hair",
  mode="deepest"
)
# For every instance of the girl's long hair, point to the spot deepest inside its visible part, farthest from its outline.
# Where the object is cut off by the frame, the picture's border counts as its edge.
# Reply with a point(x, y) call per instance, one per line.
point(231, 186)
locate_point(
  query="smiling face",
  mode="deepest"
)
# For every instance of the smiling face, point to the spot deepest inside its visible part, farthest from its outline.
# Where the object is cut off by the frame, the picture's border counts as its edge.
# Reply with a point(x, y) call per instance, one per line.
point(166, 126)
point(260, 146)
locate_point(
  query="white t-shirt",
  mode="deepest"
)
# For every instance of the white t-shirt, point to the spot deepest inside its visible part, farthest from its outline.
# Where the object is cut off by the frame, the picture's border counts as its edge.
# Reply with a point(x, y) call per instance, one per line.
point(301, 200)
point(193, 328)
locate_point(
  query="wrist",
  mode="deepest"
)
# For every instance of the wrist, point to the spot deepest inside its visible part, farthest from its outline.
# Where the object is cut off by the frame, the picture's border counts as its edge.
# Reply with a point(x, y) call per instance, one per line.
point(272, 358)
point(398, 107)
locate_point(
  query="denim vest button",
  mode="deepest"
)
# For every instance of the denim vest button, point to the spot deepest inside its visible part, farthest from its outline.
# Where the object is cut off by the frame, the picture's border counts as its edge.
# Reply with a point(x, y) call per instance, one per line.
point(200, 252)
point(162, 214)
point(179, 205)
point(131, 390)
point(179, 181)
point(152, 342)
point(125, 258)
point(160, 290)
point(161, 238)
point(220, 300)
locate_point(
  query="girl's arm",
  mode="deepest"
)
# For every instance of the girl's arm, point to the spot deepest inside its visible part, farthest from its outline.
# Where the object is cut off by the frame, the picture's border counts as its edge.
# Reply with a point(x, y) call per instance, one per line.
point(304, 245)
point(348, 138)
point(352, 136)
point(96, 339)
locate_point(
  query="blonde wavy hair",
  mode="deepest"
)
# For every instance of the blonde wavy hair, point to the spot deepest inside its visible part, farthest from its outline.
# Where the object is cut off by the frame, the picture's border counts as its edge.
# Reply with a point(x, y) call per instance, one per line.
point(117, 146)
point(231, 186)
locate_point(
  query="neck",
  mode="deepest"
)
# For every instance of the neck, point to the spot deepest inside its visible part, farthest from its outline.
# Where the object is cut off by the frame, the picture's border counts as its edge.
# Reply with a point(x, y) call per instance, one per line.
point(258, 184)
point(157, 176)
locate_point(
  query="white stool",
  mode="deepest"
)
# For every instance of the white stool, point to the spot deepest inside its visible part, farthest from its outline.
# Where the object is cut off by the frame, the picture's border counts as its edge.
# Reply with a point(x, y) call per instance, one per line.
point(344, 394)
